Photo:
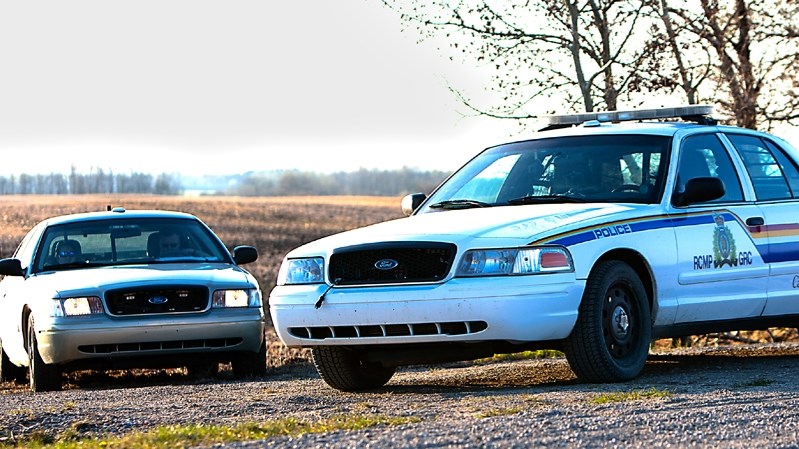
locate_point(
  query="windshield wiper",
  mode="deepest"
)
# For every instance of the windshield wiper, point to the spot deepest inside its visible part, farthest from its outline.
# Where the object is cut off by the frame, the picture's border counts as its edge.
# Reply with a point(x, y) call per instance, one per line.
point(71, 266)
point(546, 199)
point(182, 259)
point(459, 204)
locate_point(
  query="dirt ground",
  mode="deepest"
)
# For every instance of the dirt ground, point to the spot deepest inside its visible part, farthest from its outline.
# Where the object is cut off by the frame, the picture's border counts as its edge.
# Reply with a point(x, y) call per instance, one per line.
point(721, 396)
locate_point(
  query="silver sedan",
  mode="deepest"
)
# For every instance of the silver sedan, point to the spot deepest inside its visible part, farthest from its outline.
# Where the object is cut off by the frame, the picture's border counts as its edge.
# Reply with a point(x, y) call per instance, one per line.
point(127, 289)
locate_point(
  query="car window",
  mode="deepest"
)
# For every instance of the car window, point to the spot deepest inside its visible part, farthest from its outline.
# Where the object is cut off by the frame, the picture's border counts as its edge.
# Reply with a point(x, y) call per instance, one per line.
point(788, 165)
point(765, 171)
point(704, 156)
point(126, 241)
point(639, 168)
point(487, 182)
point(25, 250)
point(603, 168)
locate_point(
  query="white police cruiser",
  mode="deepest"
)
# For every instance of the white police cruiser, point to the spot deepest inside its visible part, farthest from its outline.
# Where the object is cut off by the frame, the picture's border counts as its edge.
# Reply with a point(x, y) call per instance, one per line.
point(605, 231)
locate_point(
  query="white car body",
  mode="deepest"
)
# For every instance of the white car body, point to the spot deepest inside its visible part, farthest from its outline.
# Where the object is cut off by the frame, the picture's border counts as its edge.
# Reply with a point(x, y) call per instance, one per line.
point(703, 266)
point(145, 325)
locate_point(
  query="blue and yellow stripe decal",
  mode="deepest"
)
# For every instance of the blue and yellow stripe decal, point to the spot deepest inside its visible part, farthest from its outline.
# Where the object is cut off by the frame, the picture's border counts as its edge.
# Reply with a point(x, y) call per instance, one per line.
point(779, 249)
point(620, 227)
point(783, 242)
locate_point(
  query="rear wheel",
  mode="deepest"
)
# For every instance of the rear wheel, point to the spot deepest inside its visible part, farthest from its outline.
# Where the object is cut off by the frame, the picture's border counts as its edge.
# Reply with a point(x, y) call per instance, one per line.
point(610, 341)
point(43, 376)
point(250, 364)
point(343, 369)
point(8, 371)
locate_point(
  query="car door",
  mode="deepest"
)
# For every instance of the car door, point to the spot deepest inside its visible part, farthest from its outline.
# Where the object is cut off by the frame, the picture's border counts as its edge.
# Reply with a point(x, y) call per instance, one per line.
point(721, 275)
point(775, 180)
point(12, 296)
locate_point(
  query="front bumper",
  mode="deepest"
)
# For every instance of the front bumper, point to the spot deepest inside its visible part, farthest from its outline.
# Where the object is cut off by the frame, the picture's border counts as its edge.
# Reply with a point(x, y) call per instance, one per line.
point(510, 308)
point(69, 339)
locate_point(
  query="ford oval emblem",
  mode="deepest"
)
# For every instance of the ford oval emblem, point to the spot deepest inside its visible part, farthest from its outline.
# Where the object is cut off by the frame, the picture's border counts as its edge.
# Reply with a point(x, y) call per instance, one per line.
point(158, 300)
point(386, 264)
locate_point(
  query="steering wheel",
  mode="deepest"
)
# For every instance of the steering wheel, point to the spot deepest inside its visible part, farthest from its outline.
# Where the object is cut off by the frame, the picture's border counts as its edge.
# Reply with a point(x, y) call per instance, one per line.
point(627, 188)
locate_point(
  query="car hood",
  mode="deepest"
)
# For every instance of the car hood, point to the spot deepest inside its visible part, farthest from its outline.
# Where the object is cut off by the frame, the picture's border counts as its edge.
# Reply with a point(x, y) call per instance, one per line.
point(504, 225)
point(93, 281)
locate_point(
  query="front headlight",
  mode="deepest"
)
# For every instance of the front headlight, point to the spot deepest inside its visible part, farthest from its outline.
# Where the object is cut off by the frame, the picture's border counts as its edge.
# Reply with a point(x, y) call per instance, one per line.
point(250, 297)
point(84, 305)
point(302, 271)
point(514, 261)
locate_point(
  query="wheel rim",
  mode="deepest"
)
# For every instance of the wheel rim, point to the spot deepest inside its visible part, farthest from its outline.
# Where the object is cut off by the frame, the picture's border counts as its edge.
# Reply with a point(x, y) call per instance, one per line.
point(619, 321)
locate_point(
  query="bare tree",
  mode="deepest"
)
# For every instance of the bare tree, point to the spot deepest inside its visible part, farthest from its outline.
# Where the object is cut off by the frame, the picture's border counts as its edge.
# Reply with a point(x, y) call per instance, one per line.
point(545, 55)
point(741, 54)
point(554, 55)
point(675, 60)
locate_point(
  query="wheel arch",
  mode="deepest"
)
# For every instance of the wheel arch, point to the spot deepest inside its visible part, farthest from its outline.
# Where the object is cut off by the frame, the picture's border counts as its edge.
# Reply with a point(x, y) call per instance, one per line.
point(641, 267)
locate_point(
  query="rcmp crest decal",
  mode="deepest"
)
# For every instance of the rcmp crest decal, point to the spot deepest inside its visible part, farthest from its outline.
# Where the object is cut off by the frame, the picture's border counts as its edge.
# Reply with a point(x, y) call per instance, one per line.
point(723, 244)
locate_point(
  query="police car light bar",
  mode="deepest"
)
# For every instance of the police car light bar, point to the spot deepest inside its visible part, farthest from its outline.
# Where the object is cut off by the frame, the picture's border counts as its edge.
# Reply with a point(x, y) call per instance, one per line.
point(692, 111)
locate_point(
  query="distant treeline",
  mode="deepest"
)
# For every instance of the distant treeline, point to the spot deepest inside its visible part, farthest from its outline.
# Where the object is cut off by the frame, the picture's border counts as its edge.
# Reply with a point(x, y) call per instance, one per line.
point(361, 182)
point(96, 181)
point(272, 183)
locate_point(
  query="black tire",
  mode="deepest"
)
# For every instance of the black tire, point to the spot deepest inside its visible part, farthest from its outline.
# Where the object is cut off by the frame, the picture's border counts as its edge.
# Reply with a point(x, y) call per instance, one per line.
point(8, 371)
point(344, 370)
point(610, 341)
point(250, 364)
point(43, 377)
point(202, 370)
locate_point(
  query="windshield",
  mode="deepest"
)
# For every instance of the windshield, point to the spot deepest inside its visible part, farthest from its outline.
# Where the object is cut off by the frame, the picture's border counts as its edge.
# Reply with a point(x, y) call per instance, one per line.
point(606, 168)
point(126, 242)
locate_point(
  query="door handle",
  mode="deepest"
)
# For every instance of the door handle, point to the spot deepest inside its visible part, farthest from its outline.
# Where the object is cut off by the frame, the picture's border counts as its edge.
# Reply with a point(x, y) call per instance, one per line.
point(755, 221)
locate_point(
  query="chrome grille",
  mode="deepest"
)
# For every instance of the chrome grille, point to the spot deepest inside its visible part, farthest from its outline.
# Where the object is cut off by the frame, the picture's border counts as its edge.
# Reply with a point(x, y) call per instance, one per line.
point(157, 300)
point(400, 262)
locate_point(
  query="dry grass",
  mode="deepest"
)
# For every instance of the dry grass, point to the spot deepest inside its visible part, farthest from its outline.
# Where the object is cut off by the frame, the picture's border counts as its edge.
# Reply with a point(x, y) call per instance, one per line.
point(274, 225)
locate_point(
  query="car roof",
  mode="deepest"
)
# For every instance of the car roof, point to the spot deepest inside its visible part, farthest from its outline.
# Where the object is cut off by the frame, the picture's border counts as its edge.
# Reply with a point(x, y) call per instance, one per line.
point(651, 128)
point(117, 214)
point(662, 121)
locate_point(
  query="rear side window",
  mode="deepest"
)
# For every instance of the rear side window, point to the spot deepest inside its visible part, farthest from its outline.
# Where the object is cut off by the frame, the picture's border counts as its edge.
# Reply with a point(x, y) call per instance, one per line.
point(765, 171)
point(788, 166)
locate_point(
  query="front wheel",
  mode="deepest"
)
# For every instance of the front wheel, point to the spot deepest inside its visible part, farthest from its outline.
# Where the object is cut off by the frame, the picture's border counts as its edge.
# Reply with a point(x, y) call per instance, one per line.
point(610, 341)
point(202, 370)
point(43, 377)
point(343, 369)
point(250, 364)
point(8, 371)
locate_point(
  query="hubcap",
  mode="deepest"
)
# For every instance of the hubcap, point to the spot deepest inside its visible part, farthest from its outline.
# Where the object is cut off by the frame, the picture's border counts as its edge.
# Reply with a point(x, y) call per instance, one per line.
point(621, 322)
point(618, 319)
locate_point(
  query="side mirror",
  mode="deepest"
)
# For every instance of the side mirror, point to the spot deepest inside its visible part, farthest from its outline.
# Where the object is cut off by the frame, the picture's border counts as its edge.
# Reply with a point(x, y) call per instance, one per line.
point(11, 267)
point(699, 190)
point(244, 254)
point(411, 202)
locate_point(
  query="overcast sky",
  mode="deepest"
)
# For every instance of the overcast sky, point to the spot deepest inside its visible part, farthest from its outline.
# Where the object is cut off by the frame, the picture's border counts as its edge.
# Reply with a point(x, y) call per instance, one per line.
point(218, 87)
point(225, 87)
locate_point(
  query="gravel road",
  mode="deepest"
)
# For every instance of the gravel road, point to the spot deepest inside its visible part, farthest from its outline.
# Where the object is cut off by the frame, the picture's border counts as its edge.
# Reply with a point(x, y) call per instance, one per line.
point(731, 397)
